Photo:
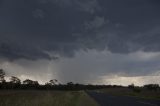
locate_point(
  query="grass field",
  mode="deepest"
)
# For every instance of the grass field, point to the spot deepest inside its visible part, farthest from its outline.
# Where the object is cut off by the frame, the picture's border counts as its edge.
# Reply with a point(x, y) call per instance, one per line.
point(129, 92)
point(45, 98)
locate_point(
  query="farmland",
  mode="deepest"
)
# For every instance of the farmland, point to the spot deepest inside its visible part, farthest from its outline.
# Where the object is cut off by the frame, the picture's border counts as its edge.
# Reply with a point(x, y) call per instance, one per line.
point(45, 98)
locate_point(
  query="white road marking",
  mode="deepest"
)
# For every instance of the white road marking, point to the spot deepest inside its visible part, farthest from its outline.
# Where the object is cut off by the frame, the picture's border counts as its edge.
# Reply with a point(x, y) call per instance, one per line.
point(150, 104)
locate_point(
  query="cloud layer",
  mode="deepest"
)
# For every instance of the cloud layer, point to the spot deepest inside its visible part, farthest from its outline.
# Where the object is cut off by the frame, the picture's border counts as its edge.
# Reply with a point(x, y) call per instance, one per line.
point(64, 26)
point(117, 37)
point(91, 67)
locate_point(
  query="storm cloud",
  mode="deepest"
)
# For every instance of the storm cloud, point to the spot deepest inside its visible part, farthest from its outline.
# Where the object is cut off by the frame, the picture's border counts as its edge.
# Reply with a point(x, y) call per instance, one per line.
point(55, 31)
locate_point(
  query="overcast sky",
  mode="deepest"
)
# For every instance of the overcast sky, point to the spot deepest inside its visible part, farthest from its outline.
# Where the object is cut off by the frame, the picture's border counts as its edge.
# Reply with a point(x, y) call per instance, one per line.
point(84, 41)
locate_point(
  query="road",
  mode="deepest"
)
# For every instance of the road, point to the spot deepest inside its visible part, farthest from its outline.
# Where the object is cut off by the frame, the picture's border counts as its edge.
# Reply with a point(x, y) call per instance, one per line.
point(109, 100)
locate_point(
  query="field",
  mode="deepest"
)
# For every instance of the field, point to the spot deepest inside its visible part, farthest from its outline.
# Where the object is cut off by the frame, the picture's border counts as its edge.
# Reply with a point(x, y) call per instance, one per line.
point(65, 98)
point(142, 93)
point(45, 98)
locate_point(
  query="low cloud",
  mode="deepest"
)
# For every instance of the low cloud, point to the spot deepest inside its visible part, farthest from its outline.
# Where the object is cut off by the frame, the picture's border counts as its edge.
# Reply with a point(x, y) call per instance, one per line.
point(91, 67)
point(79, 40)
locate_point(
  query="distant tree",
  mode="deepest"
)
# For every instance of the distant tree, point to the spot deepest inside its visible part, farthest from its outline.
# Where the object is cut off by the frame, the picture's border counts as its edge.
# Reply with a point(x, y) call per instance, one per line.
point(30, 82)
point(131, 86)
point(70, 83)
point(151, 87)
point(2, 76)
point(53, 82)
point(27, 81)
point(35, 83)
point(15, 80)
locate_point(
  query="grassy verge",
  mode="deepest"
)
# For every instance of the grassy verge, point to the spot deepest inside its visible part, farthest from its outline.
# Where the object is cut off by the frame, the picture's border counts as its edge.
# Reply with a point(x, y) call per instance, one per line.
point(147, 95)
point(129, 92)
point(45, 98)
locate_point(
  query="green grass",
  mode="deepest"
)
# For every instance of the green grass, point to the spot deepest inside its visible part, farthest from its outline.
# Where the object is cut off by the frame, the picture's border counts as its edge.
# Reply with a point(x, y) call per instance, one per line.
point(45, 98)
point(146, 94)
point(129, 92)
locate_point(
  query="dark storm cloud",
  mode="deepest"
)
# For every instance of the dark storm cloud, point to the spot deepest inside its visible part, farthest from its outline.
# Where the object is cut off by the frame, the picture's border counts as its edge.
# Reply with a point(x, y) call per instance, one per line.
point(32, 29)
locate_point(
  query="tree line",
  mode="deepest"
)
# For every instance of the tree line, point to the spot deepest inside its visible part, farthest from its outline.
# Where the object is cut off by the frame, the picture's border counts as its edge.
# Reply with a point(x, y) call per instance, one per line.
point(15, 83)
point(28, 84)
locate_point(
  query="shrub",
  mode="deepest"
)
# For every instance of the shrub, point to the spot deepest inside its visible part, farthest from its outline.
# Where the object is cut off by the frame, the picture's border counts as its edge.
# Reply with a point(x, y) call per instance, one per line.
point(137, 90)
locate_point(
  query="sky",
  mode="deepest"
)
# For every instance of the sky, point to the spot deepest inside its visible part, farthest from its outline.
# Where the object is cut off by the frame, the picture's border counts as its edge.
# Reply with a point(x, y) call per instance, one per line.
point(83, 41)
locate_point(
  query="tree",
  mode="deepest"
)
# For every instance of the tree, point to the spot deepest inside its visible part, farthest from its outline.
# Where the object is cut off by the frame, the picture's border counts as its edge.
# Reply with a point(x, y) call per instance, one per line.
point(131, 86)
point(15, 80)
point(151, 87)
point(2, 76)
point(53, 82)
point(70, 83)
point(30, 82)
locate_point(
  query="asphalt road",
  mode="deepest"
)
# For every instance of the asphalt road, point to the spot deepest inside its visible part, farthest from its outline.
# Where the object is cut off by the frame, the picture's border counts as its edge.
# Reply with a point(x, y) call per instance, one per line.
point(109, 100)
